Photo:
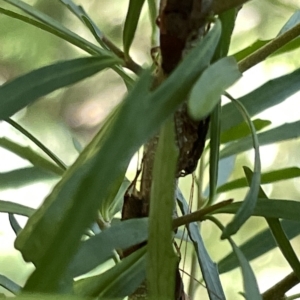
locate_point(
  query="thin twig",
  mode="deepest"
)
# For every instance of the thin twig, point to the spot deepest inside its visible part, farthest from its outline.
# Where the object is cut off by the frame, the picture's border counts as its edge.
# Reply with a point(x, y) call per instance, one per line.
point(262, 53)
point(128, 61)
point(278, 291)
point(199, 214)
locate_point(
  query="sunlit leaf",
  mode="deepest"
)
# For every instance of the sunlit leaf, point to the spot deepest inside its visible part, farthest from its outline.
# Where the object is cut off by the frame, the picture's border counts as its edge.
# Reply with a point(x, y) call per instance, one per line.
point(119, 281)
point(268, 177)
point(208, 89)
point(18, 93)
point(208, 267)
point(131, 22)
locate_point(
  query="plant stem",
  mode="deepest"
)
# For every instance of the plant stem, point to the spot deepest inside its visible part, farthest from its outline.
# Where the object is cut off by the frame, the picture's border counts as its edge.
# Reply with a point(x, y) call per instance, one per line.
point(199, 215)
point(262, 53)
point(278, 291)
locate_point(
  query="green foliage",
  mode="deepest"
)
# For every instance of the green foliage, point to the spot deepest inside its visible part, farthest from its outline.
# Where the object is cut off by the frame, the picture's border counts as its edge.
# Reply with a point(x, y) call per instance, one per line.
point(91, 190)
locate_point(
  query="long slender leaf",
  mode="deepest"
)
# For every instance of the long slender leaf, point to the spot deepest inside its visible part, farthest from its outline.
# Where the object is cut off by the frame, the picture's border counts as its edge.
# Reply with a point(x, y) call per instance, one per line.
point(282, 209)
point(15, 208)
point(30, 155)
point(249, 280)
point(80, 13)
point(118, 282)
point(268, 177)
point(162, 261)
point(56, 28)
point(269, 94)
point(77, 198)
point(279, 234)
point(249, 203)
point(208, 267)
point(46, 150)
point(281, 133)
point(9, 285)
point(25, 176)
point(215, 127)
point(99, 248)
point(242, 130)
point(23, 90)
point(258, 245)
point(131, 22)
point(14, 224)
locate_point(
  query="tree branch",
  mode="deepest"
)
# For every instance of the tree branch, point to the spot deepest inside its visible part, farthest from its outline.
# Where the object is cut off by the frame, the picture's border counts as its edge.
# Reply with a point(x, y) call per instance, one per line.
point(278, 291)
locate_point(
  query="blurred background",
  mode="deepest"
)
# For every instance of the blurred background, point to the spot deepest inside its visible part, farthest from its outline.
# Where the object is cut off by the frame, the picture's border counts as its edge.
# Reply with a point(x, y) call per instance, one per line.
point(66, 120)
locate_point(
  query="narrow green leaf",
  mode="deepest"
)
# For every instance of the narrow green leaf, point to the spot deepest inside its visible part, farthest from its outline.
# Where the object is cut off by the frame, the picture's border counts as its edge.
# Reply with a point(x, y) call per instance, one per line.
point(153, 12)
point(9, 285)
point(15, 208)
point(250, 49)
point(100, 247)
point(227, 19)
point(80, 13)
point(279, 234)
point(30, 155)
point(23, 90)
point(131, 22)
point(118, 282)
point(54, 27)
point(268, 95)
point(258, 245)
point(249, 203)
point(281, 133)
point(208, 267)
point(15, 226)
point(161, 258)
point(249, 280)
point(282, 209)
point(36, 296)
point(46, 150)
point(208, 89)
point(242, 130)
point(215, 126)
point(47, 235)
point(25, 176)
point(268, 177)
